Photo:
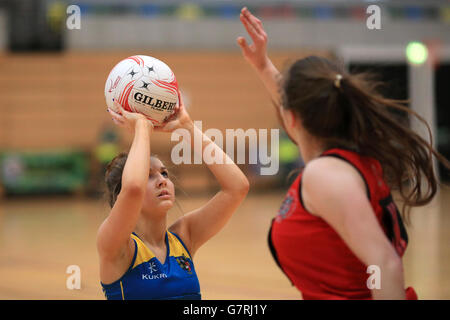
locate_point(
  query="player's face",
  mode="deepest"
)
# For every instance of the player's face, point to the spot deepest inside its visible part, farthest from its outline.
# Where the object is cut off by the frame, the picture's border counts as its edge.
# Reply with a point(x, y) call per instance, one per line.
point(160, 192)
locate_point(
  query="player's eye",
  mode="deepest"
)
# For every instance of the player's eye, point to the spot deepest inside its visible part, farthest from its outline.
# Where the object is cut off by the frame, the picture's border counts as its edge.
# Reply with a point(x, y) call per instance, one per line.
point(165, 174)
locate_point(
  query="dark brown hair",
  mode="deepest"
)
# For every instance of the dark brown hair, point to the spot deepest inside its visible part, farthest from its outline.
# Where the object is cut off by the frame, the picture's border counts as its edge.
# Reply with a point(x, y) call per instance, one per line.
point(345, 110)
point(113, 177)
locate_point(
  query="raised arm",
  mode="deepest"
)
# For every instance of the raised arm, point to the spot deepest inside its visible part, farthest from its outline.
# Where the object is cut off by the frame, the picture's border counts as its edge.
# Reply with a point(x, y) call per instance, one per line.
point(113, 237)
point(198, 226)
point(205, 222)
point(256, 54)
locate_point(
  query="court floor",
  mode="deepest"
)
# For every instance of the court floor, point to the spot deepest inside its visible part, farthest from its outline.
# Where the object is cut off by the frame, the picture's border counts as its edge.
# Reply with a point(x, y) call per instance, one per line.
point(41, 238)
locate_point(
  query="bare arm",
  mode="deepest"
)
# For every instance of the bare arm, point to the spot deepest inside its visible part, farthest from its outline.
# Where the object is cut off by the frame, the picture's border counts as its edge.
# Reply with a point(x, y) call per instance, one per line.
point(200, 225)
point(113, 237)
point(334, 190)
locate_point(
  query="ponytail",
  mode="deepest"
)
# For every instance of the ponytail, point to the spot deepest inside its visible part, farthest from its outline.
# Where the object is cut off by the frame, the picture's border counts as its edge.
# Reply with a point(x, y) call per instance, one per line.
point(113, 177)
point(406, 157)
point(346, 110)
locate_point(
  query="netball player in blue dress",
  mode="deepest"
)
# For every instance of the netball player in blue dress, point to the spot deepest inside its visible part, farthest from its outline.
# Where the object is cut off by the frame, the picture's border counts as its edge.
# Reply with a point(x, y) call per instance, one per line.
point(140, 256)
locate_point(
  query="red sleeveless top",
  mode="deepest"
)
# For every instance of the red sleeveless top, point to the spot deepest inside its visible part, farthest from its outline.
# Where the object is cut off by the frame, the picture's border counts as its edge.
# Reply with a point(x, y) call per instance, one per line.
point(314, 257)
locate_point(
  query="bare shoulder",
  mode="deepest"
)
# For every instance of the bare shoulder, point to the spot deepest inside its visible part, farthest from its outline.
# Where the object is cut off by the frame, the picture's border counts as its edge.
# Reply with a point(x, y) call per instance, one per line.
point(332, 170)
point(331, 181)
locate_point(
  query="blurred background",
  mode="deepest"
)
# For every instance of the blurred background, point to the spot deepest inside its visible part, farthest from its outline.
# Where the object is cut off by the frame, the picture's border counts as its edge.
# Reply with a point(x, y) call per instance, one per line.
point(56, 138)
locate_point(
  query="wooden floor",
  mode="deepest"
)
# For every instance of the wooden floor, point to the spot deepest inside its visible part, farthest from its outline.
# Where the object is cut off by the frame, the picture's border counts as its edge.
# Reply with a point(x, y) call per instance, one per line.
point(40, 238)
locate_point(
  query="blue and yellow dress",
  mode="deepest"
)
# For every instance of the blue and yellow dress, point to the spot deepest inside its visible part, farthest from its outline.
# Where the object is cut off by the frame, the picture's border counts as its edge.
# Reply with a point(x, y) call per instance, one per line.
point(148, 278)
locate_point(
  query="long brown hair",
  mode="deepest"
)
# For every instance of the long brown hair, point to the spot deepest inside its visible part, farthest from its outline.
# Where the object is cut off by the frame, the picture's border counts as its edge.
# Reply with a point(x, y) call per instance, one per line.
point(345, 110)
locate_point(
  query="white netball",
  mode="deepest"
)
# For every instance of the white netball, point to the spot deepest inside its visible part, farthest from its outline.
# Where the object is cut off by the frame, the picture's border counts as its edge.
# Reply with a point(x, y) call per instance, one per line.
point(144, 85)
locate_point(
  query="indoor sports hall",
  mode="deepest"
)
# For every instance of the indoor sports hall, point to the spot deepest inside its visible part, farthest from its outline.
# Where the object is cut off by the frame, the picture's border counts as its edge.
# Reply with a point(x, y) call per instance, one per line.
point(56, 138)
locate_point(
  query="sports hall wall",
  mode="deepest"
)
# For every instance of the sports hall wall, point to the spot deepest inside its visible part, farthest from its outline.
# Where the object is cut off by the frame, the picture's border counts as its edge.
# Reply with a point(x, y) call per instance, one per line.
point(52, 100)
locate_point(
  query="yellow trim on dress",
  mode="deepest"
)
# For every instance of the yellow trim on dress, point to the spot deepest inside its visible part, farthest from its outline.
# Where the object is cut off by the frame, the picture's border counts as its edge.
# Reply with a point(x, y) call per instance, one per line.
point(176, 247)
point(143, 253)
point(121, 289)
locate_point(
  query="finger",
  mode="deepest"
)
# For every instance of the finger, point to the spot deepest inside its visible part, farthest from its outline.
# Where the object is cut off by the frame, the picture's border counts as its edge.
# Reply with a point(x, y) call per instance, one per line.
point(250, 29)
point(243, 44)
point(116, 105)
point(181, 104)
point(151, 124)
point(256, 23)
point(122, 111)
point(111, 110)
point(180, 98)
point(168, 127)
point(160, 128)
point(174, 115)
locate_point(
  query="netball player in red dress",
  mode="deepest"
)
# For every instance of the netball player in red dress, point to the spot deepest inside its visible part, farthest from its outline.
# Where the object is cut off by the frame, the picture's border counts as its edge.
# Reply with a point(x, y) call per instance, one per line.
point(338, 217)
